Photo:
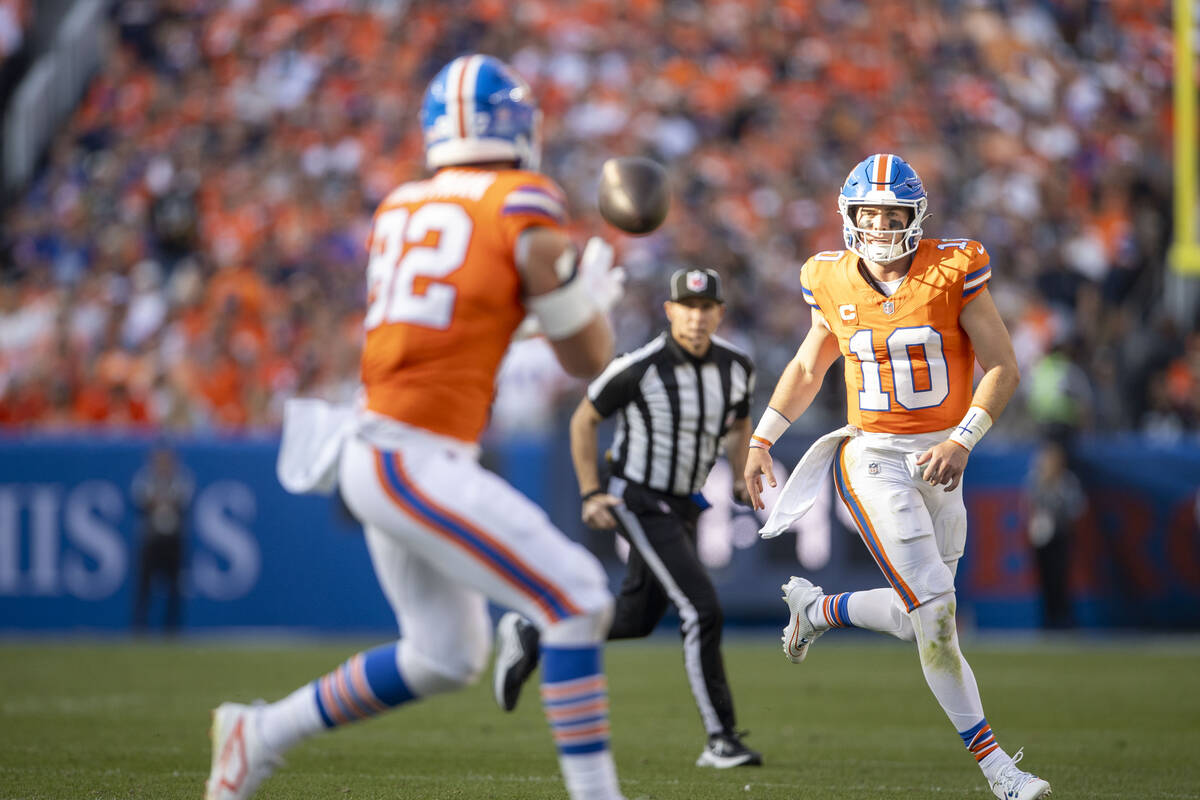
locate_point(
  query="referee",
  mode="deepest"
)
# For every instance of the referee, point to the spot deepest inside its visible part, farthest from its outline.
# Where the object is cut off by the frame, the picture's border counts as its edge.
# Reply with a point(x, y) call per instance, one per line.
point(676, 399)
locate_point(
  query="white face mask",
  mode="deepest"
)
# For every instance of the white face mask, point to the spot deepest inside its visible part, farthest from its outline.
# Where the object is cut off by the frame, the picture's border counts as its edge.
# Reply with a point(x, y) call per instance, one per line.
point(882, 247)
point(885, 252)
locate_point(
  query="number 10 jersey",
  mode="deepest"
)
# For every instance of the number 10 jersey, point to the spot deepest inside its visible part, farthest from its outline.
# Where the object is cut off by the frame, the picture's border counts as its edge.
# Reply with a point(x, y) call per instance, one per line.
point(909, 363)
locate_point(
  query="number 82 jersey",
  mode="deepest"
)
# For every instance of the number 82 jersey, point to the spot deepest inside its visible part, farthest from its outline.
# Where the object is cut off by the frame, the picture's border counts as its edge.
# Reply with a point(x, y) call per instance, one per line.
point(444, 295)
point(909, 363)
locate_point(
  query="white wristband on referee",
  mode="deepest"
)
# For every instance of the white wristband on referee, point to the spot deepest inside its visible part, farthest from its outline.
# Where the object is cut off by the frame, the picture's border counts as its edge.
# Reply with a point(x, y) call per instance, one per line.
point(972, 428)
point(770, 428)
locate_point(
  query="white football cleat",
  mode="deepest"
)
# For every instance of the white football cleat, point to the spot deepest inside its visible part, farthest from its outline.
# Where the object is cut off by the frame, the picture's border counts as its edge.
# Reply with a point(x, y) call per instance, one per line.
point(799, 633)
point(1012, 783)
point(240, 758)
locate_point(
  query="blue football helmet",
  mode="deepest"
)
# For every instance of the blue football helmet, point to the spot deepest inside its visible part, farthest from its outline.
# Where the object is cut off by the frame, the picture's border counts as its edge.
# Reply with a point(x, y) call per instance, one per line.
point(477, 109)
point(882, 180)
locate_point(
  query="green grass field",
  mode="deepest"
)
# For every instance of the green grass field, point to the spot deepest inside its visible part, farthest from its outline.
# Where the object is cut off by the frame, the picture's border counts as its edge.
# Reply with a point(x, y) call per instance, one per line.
point(1119, 719)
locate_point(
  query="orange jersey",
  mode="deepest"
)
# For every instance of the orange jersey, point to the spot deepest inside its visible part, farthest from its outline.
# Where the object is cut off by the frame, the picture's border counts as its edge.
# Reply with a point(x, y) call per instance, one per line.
point(444, 294)
point(909, 363)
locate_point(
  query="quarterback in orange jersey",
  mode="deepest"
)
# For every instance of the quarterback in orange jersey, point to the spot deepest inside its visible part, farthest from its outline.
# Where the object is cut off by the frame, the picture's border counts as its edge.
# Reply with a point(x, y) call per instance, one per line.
point(911, 316)
point(909, 364)
point(456, 263)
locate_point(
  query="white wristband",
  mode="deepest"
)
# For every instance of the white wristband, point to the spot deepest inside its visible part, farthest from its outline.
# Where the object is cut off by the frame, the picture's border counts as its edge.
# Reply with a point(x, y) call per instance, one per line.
point(770, 428)
point(972, 428)
point(564, 311)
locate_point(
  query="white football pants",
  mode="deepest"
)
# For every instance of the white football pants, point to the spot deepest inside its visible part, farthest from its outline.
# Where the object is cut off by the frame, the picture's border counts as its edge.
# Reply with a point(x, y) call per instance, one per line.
point(915, 532)
point(445, 535)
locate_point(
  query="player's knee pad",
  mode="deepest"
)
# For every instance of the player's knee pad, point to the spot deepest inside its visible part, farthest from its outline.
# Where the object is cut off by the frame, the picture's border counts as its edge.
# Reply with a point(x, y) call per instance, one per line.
point(428, 673)
point(950, 523)
point(933, 581)
point(588, 628)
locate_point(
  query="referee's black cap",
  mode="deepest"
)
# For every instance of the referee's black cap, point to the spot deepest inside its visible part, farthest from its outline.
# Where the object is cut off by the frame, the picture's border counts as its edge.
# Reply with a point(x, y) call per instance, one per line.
point(689, 283)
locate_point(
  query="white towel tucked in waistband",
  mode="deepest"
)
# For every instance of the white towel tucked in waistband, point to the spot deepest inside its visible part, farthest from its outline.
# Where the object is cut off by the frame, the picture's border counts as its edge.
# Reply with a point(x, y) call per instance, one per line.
point(313, 434)
point(806, 480)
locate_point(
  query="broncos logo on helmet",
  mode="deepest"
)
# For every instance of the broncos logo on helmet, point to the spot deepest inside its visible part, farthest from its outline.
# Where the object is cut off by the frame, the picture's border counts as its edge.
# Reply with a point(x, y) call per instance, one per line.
point(882, 180)
point(478, 109)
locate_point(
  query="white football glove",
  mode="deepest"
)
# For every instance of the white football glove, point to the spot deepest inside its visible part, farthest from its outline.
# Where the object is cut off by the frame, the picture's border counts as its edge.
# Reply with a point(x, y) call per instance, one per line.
point(605, 283)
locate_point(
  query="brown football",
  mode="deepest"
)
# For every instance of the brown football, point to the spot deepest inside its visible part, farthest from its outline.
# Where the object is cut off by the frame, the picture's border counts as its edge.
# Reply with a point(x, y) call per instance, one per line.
point(634, 195)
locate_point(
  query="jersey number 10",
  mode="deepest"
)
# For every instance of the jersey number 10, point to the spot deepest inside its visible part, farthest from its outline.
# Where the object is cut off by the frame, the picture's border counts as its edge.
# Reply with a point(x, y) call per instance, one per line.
point(397, 260)
point(904, 346)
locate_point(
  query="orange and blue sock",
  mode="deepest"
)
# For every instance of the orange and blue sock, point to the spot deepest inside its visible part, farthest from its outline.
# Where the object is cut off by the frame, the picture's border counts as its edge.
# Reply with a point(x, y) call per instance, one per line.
point(834, 611)
point(979, 740)
point(981, 743)
point(575, 697)
point(366, 685)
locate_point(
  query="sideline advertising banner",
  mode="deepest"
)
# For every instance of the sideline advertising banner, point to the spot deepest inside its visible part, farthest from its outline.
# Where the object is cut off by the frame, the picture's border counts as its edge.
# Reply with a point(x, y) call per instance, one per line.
point(257, 557)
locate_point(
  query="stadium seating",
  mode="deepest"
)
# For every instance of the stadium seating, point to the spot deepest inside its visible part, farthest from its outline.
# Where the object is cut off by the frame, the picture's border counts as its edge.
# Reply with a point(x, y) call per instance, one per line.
point(211, 195)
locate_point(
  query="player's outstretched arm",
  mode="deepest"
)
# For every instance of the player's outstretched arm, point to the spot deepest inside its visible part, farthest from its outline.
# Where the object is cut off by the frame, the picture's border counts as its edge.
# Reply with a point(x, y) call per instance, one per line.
point(794, 393)
point(575, 326)
point(944, 463)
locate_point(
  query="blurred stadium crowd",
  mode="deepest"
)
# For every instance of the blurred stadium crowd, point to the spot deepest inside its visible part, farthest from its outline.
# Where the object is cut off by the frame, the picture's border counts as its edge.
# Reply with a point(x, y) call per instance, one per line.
point(14, 20)
point(192, 252)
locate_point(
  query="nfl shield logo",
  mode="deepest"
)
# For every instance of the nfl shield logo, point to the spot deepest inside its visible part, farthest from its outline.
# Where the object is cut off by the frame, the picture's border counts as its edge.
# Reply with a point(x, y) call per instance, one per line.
point(889, 307)
point(873, 468)
point(697, 281)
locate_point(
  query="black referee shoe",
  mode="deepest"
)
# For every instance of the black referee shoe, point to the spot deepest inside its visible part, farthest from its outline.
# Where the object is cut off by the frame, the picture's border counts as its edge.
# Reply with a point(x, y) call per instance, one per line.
point(516, 660)
point(726, 750)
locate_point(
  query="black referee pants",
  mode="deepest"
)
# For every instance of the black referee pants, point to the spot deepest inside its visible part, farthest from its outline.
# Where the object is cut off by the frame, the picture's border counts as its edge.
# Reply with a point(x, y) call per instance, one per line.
point(665, 567)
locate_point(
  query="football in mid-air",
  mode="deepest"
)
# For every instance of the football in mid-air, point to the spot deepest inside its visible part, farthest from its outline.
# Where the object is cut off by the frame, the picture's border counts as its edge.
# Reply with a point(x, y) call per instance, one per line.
point(634, 195)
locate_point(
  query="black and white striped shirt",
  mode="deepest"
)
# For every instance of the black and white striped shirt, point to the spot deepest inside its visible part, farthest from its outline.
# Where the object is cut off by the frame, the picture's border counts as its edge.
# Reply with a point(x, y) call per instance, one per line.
point(673, 409)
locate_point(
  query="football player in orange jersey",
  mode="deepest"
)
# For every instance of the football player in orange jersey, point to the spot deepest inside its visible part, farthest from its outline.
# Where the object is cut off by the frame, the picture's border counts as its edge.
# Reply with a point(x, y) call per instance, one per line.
point(457, 261)
point(911, 316)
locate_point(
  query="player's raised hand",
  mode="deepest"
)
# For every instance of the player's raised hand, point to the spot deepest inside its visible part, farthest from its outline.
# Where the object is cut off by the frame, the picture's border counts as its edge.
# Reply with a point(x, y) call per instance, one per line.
point(943, 463)
point(758, 464)
point(605, 283)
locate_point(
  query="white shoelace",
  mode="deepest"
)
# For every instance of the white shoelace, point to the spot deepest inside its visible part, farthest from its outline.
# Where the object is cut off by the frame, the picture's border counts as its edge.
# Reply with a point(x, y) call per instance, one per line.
point(1010, 777)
